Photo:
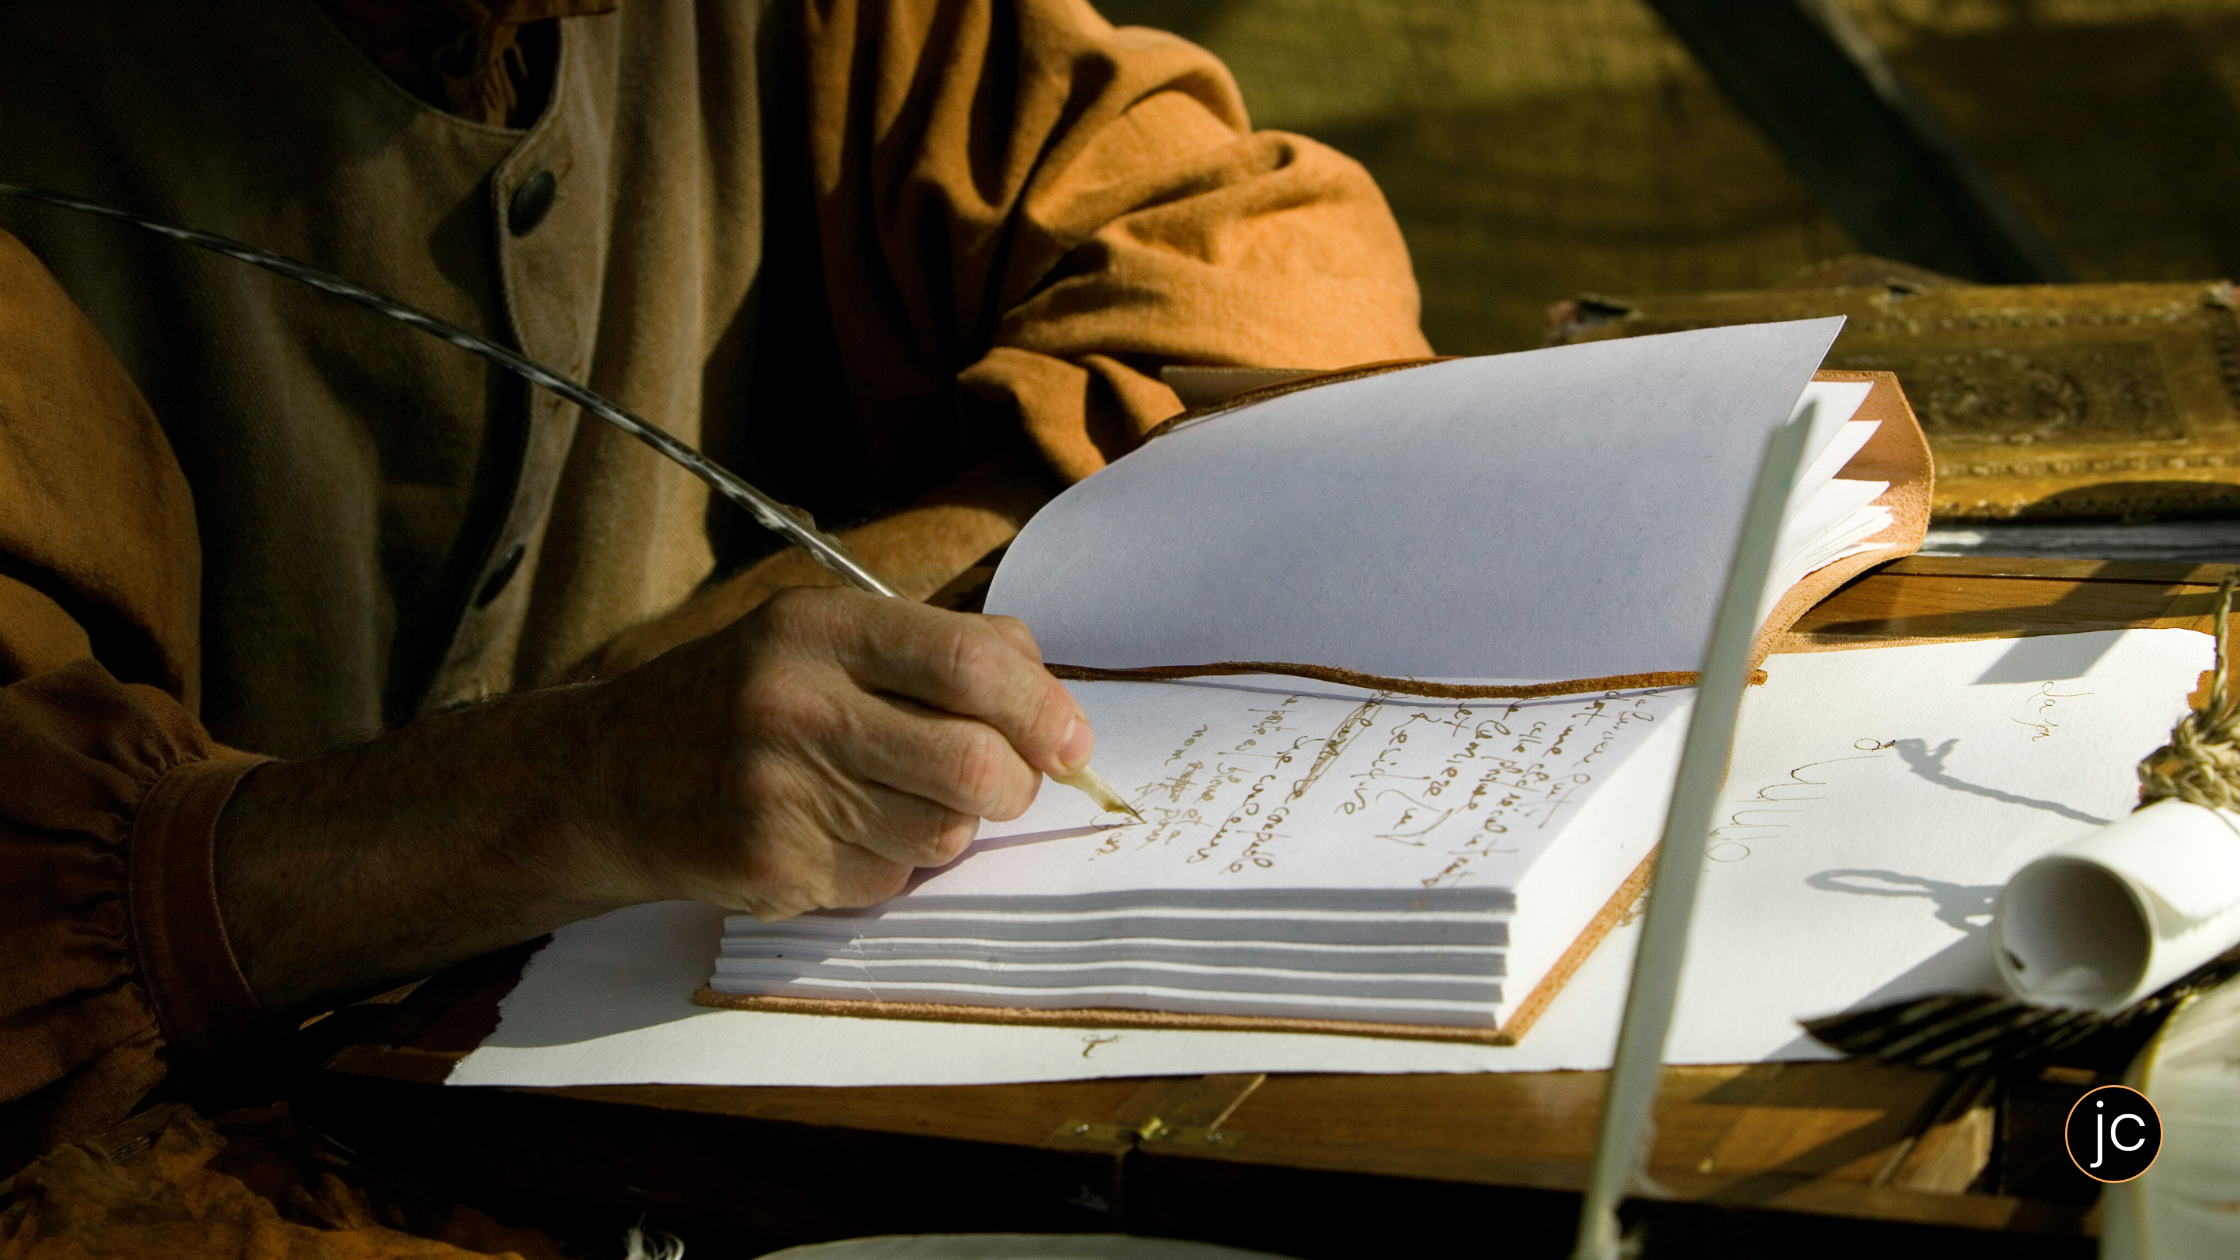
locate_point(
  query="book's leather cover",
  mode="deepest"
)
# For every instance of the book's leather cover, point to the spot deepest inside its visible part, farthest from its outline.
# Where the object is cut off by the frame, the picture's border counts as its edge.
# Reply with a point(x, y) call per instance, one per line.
point(2068, 402)
point(1898, 453)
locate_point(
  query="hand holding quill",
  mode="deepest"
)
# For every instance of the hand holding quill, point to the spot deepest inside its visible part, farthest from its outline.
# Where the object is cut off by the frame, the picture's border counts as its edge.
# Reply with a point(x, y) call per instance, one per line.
point(789, 522)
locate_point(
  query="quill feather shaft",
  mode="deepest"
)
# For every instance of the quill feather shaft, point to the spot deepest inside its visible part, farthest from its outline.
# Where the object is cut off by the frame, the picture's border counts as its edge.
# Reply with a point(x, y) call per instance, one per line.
point(790, 523)
point(785, 520)
point(1621, 1147)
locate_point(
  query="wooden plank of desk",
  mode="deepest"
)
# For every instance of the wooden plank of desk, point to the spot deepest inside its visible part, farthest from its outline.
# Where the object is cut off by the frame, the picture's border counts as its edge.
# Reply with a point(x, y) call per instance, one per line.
point(2159, 572)
point(1915, 607)
point(1836, 1120)
point(773, 1166)
point(1017, 1156)
point(1842, 1120)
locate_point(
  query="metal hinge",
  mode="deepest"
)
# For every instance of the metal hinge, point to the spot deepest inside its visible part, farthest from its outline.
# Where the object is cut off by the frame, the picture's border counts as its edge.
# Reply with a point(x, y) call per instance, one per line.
point(1149, 1132)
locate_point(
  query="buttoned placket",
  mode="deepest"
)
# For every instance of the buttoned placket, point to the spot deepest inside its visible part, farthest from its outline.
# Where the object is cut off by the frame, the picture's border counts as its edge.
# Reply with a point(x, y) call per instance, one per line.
point(547, 222)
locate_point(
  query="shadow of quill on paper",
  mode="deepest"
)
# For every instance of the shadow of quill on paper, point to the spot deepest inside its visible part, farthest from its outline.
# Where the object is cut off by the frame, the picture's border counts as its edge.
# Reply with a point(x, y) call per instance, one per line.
point(924, 873)
point(1032, 837)
point(1930, 765)
point(1964, 966)
point(1965, 907)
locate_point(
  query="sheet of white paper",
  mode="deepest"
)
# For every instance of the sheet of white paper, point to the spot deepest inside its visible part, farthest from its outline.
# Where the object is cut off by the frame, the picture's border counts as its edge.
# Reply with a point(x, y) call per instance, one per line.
point(1878, 800)
point(1831, 525)
point(1871, 817)
point(1836, 437)
point(1560, 513)
point(1825, 511)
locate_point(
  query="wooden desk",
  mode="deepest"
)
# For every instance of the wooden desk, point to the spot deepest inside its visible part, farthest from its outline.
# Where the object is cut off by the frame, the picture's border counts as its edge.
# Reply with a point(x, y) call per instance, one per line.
point(1819, 1158)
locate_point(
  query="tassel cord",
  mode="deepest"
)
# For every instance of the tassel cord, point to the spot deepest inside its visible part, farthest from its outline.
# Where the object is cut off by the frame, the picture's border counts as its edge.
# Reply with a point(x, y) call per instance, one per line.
point(2201, 763)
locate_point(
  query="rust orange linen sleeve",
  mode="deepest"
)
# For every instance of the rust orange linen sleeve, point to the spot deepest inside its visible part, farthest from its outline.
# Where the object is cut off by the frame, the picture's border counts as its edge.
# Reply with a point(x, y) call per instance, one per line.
point(109, 788)
point(1017, 198)
point(117, 959)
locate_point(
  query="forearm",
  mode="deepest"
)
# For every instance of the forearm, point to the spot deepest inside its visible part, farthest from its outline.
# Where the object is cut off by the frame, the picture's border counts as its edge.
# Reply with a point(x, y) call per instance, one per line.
point(346, 873)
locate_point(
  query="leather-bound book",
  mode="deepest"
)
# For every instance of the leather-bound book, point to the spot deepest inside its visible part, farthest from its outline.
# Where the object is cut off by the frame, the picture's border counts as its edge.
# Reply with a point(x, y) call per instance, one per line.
point(1393, 665)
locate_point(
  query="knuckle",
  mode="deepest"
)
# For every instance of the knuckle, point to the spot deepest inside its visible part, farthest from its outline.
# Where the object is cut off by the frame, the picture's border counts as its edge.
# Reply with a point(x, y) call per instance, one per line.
point(766, 787)
point(916, 837)
point(1052, 707)
point(983, 770)
point(780, 612)
point(1013, 800)
point(797, 614)
point(869, 884)
point(976, 658)
point(919, 833)
point(784, 703)
point(1016, 632)
point(956, 835)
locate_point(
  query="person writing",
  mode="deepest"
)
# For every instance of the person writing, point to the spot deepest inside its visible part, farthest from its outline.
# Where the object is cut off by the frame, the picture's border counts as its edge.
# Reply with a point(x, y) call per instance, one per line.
point(333, 657)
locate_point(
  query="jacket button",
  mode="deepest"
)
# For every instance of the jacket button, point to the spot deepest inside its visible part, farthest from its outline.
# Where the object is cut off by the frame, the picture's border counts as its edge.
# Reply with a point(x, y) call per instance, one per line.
point(495, 584)
point(532, 201)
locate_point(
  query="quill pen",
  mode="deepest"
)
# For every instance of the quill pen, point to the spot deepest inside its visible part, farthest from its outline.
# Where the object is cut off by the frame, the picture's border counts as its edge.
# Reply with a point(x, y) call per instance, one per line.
point(791, 523)
point(1622, 1145)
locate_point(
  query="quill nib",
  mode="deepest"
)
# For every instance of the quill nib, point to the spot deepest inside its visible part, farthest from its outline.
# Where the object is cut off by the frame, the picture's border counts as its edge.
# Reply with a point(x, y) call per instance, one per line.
point(1086, 781)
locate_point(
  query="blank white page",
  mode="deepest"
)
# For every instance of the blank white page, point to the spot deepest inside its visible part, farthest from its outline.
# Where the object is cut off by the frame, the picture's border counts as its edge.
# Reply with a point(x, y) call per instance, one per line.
point(1559, 513)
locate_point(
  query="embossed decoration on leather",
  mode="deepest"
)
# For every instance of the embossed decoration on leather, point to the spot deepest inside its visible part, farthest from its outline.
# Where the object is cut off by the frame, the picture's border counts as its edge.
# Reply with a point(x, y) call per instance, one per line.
point(2030, 394)
point(2067, 402)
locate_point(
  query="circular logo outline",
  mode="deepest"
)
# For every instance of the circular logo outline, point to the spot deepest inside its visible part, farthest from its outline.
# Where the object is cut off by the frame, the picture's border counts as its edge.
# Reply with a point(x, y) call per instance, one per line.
point(2070, 1118)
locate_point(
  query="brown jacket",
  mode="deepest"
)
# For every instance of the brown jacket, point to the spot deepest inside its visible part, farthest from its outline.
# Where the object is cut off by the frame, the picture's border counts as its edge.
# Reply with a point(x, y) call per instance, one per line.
point(862, 252)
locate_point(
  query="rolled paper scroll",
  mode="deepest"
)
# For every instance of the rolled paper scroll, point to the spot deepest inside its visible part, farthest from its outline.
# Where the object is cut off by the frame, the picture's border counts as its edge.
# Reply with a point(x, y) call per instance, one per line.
point(2117, 914)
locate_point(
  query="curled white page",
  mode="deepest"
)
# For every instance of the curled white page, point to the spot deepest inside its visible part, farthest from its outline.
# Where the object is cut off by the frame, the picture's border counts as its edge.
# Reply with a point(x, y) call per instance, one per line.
point(2123, 910)
point(1559, 513)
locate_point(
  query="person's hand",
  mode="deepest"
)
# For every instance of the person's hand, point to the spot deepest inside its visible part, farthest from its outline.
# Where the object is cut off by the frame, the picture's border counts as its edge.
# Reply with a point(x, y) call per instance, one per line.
point(813, 754)
point(816, 752)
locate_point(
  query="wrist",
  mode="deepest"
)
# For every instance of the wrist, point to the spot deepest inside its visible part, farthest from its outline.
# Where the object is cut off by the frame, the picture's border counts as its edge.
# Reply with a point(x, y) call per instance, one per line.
point(395, 858)
point(582, 810)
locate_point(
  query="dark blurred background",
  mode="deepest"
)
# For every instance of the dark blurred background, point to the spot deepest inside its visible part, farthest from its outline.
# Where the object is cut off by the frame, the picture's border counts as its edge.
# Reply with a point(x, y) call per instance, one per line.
point(1538, 149)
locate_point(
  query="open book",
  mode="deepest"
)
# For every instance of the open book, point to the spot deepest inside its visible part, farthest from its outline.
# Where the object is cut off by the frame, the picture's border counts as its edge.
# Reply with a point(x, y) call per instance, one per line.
point(1452, 612)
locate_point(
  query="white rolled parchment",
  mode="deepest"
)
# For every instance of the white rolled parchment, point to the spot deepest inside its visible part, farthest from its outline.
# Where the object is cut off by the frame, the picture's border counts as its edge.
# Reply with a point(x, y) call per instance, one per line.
point(2120, 912)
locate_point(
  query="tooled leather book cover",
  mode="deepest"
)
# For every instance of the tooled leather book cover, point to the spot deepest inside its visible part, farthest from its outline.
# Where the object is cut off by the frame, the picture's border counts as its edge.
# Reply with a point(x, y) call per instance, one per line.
point(2064, 402)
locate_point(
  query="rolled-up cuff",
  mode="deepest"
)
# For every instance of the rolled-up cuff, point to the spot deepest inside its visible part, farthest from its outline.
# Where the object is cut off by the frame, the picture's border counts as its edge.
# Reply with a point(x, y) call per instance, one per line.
point(194, 981)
